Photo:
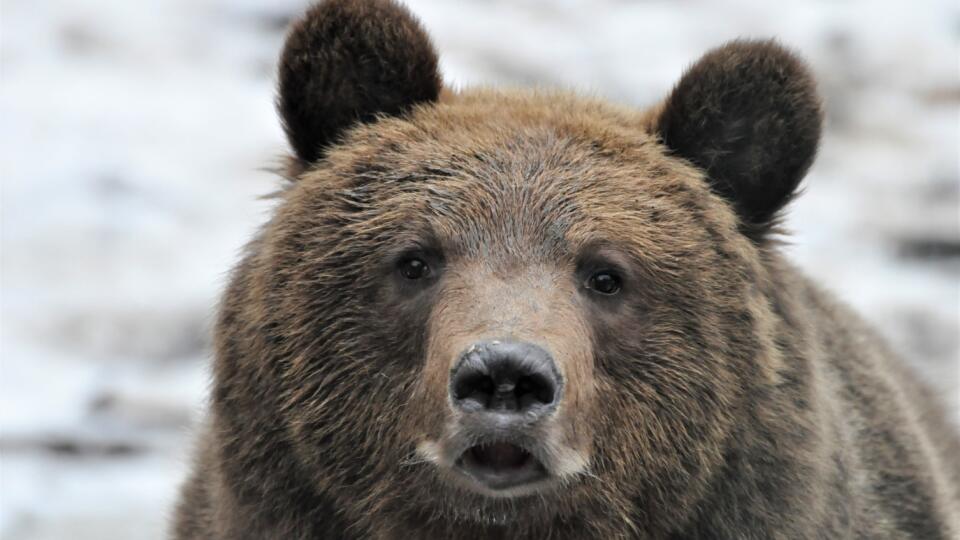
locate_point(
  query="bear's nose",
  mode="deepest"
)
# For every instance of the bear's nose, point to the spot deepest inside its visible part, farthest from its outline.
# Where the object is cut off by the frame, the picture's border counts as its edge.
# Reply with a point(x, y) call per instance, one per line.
point(507, 377)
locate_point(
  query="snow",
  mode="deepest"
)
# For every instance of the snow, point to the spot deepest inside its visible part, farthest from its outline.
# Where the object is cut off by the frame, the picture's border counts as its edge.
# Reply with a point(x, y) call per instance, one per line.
point(134, 138)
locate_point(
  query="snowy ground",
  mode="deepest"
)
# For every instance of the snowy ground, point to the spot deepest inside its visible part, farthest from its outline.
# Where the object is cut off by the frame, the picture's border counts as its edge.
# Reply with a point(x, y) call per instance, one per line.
point(132, 136)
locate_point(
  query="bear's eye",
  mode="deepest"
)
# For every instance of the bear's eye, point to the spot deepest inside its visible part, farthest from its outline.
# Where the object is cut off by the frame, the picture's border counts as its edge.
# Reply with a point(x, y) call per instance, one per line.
point(605, 282)
point(414, 268)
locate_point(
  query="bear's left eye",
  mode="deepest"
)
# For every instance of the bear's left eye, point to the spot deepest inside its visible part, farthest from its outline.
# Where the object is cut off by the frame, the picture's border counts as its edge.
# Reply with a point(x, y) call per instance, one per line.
point(414, 268)
point(605, 282)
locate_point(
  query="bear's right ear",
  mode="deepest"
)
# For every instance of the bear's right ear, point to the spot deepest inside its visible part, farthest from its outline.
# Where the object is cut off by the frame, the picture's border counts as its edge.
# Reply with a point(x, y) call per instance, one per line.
point(348, 61)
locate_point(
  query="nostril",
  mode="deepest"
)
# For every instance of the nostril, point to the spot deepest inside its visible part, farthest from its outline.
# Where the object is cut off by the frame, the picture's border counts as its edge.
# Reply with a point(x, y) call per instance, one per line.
point(534, 390)
point(475, 386)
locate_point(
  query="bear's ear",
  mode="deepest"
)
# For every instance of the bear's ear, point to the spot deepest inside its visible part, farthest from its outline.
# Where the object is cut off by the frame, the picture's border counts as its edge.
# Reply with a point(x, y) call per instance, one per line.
point(749, 115)
point(348, 61)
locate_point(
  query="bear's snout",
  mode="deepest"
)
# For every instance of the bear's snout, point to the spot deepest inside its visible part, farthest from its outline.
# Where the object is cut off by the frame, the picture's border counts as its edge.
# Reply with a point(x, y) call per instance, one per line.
point(504, 379)
point(504, 393)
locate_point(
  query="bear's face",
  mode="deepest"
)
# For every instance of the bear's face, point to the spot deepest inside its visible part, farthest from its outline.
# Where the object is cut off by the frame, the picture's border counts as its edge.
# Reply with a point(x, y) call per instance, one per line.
point(518, 307)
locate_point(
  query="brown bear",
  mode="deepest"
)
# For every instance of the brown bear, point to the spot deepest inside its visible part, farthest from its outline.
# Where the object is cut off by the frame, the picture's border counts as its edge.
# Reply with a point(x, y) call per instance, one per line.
point(526, 314)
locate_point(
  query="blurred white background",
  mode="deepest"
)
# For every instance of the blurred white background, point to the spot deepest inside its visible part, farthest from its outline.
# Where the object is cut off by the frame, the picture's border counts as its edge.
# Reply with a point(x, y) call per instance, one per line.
point(133, 137)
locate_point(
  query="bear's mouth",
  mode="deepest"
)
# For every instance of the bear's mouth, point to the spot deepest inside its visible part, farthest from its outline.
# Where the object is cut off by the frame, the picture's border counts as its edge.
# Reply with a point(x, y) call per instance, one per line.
point(501, 465)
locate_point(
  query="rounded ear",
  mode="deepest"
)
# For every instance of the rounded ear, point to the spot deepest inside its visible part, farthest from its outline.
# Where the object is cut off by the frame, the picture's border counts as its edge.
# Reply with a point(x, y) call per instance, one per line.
point(348, 61)
point(749, 115)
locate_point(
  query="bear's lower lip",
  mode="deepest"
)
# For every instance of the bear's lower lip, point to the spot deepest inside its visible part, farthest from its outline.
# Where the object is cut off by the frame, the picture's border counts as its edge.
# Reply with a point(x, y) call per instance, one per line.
point(501, 465)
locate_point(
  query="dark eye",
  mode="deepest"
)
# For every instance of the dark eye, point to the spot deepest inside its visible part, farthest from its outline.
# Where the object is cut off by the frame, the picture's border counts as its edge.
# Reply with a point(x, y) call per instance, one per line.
point(414, 268)
point(604, 282)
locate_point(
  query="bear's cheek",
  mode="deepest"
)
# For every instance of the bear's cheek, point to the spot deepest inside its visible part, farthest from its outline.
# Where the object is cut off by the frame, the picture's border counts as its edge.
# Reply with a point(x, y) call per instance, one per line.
point(669, 382)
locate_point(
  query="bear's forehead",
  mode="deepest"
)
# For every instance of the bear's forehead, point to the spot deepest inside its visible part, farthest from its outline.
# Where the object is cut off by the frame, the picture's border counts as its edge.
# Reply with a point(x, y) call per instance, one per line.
point(511, 141)
point(526, 125)
point(519, 170)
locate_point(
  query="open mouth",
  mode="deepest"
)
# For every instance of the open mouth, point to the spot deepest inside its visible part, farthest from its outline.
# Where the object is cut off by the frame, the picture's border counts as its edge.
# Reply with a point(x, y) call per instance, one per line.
point(501, 465)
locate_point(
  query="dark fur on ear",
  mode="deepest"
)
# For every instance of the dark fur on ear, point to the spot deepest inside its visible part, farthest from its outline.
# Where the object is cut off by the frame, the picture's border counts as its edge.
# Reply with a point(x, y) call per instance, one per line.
point(748, 113)
point(348, 61)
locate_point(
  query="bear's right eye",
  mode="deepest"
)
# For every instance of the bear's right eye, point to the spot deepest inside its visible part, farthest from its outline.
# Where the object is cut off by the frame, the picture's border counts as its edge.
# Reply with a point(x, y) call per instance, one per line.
point(414, 268)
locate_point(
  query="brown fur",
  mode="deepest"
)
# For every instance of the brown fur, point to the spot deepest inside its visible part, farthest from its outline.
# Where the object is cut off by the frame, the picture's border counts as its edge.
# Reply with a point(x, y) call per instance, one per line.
point(719, 395)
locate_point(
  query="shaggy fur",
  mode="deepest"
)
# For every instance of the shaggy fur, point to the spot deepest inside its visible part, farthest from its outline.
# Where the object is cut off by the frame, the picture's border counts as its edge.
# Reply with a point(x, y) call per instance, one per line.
point(719, 394)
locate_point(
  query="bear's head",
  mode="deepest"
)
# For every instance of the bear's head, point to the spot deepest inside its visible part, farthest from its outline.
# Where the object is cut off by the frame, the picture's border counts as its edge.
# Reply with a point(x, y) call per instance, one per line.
point(511, 307)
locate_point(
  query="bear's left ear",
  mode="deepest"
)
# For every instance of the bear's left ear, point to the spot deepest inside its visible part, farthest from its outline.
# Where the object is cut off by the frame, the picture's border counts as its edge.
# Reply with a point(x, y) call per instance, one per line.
point(349, 61)
point(748, 114)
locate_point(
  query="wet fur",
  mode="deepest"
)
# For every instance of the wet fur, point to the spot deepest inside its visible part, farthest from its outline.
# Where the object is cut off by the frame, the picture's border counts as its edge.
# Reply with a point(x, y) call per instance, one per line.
point(723, 396)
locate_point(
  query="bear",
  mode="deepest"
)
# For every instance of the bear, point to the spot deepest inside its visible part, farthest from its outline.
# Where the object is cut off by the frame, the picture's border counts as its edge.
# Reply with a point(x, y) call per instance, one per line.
point(519, 313)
